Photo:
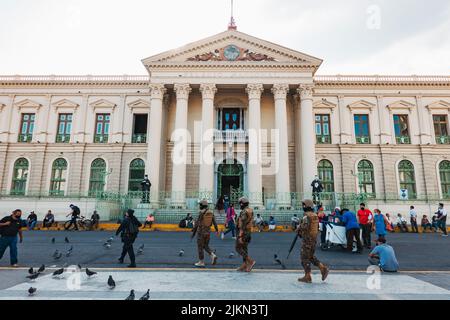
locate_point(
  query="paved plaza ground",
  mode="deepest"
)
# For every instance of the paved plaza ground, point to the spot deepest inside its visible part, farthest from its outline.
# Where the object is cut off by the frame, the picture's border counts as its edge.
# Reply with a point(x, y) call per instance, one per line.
point(424, 260)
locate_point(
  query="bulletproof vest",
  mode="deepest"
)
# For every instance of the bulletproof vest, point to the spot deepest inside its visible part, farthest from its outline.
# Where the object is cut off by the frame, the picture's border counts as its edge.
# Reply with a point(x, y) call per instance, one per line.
point(313, 229)
point(207, 220)
point(248, 225)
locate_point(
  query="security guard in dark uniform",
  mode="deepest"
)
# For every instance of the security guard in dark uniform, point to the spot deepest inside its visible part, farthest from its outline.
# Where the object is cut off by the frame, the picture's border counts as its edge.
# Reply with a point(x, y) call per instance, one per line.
point(308, 230)
point(203, 229)
point(244, 235)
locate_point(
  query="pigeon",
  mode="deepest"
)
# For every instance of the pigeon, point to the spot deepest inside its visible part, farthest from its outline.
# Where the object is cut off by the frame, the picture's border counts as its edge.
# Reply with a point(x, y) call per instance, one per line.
point(131, 296)
point(53, 240)
point(33, 276)
point(31, 271)
point(58, 272)
point(181, 253)
point(41, 269)
point(140, 250)
point(66, 240)
point(90, 273)
point(146, 296)
point(31, 291)
point(69, 252)
point(56, 253)
point(58, 256)
point(107, 245)
point(111, 282)
point(231, 256)
point(278, 261)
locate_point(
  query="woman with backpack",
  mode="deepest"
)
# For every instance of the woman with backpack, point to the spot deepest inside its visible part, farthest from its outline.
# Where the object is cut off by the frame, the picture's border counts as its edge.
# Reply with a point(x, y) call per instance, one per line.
point(129, 229)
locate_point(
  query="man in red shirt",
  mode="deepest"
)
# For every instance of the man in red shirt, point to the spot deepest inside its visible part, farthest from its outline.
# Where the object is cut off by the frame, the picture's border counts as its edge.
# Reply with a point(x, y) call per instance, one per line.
point(365, 218)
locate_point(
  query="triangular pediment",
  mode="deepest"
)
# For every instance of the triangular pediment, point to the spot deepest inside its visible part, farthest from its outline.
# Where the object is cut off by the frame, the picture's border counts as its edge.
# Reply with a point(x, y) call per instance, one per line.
point(102, 103)
point(65, 103)
point(232, 47)
point(28, 103)
point(439, 105)
point(324, 104)
point(361, 105)
point(141, 103)
point(400, 105)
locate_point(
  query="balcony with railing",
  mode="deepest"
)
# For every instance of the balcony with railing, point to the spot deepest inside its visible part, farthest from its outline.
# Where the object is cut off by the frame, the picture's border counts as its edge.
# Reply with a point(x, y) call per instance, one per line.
point(63, 138)
point(320, 139)
point(236, 136)
point(362, 139)
point(139, 138)
point(25, 138)
point(403, 140)
point(101, 138)
point(443, 139)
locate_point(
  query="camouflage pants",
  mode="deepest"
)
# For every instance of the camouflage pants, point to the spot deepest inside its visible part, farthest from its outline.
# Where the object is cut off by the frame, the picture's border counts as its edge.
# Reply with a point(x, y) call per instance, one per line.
point(203, 245)
point(307, 255)
point(242, 247)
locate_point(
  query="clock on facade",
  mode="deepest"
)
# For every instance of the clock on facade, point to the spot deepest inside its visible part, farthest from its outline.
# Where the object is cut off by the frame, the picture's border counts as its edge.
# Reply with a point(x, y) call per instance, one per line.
point(231, 53)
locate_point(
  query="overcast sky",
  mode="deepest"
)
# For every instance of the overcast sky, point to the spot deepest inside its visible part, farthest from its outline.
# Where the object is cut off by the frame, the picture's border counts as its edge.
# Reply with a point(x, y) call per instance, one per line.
point(112, 36)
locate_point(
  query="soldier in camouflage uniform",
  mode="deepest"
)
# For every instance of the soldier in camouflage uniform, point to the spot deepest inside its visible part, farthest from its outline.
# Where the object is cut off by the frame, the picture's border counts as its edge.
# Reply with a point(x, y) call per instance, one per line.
point(244, 235)
point(203, 229)
point(308, 230)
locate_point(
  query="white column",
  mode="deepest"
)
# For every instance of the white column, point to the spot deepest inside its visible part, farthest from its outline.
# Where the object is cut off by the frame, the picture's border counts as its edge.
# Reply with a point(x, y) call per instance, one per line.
point(254, 146)
point(206, 184)
point(118, 121)
point(344, 121)
point(424, 122)
point(385, 136)
point(5, 119)
point(42, 121)
point(180, 139)
point(154, 141)
point(282, 176)
point(308, 153)
point(80, 121)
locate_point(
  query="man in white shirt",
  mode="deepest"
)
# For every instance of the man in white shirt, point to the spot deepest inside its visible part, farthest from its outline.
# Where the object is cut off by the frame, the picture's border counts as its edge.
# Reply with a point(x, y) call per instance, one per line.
point(402, 224)
point(413, 219)
point(442, 219)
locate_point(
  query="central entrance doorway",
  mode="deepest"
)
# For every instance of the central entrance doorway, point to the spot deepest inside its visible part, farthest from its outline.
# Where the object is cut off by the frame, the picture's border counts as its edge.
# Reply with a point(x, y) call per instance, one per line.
point(230, 181)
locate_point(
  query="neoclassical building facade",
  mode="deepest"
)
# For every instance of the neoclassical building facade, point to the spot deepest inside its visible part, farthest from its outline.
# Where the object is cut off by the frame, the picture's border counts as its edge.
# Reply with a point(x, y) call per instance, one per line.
point(231, 114)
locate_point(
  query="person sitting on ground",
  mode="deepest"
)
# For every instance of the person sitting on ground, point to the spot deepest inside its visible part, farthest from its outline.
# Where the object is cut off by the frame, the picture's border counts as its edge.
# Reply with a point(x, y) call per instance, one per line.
point(402, 224)
point(295, 221)
point(426, 224)
point(380, 224)
point(95, 218)
point(383, 255)
point(149, 220)
point(49, 219)
point(32, 220)
point(390, 226)
point(259, 223)
point(272, 223)
point(187, 222)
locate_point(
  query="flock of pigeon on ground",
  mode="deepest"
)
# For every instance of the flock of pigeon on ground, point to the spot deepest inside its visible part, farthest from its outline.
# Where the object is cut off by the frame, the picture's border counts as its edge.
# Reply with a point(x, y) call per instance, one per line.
point(57, 255)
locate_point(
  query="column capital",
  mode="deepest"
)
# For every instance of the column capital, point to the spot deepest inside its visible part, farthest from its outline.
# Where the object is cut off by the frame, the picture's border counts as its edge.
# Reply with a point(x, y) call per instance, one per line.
point(306, 91)
point(208, 91)
point(157, 91)
point(182, 90)
point(254, 90)
point(280, 91)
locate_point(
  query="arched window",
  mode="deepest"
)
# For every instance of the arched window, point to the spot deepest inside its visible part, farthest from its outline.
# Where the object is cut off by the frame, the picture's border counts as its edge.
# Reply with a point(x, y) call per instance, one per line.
point(326, 175)
point(366, 178)
point(97, 177)
point(407, 178)
point(20, 176)
point(58, 178)
point(444, 172)
point(137, 173)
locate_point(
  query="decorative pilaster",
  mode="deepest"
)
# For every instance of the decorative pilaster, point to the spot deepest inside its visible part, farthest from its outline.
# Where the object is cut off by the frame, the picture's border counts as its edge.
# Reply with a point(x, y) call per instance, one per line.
point(344, 121)
point(424, 121)
point(385, 137)
point(308, 152)
point(254, 92)
point(154, 141)
point(180, 139)
point(206, 181)
point(282, 177)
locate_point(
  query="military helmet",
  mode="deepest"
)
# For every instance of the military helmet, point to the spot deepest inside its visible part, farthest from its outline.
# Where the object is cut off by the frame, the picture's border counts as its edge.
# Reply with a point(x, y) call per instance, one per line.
point(244, 200)
point(204, 203)
point(308, 203)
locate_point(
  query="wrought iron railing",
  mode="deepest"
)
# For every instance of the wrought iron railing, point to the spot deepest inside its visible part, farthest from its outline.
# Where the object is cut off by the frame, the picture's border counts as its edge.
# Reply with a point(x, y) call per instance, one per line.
point(238, 136)
point(25, 138)
point(323, 139)
point(403, 140)
point(443, 139)
point(101, 138)
point(139, 138)
point(362, 139)
point(63, 138)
